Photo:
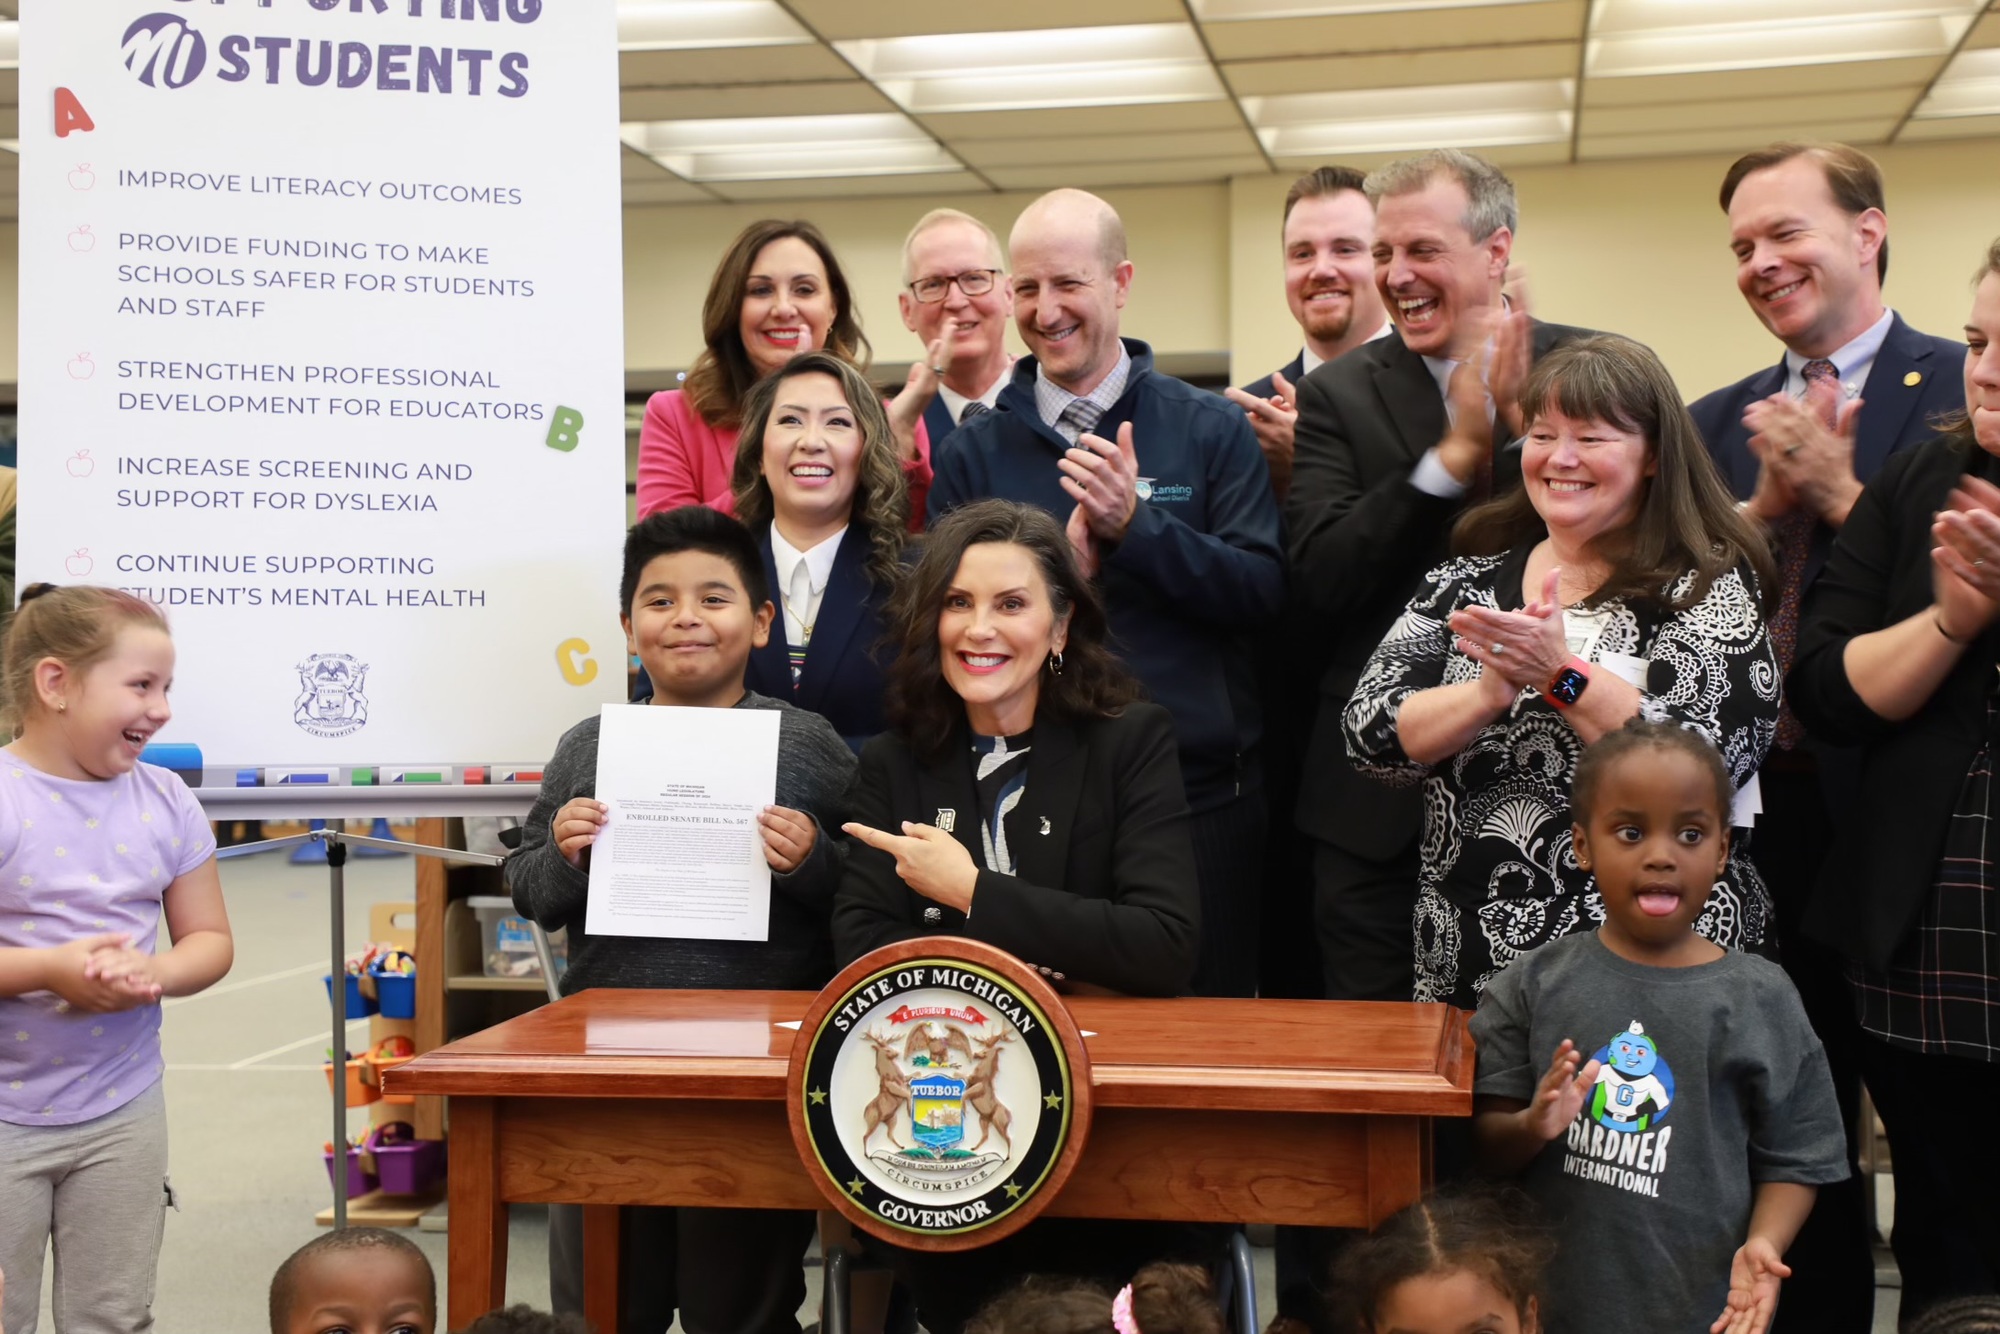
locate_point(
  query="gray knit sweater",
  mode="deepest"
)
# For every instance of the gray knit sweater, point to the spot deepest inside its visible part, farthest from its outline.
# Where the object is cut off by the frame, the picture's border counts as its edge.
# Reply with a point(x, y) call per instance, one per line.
point(814, 770)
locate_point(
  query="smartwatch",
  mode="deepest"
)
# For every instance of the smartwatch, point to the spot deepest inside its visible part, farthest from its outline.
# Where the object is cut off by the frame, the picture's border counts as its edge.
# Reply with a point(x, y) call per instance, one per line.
point(1567, 687)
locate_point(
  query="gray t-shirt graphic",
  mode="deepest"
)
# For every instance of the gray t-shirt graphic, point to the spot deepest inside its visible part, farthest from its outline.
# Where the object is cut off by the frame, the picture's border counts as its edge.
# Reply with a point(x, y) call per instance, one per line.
point(1712, 1082)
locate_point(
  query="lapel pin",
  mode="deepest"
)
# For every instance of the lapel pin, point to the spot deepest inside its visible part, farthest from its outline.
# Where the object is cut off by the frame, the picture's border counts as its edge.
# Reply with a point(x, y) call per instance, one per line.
point(932, 916)
point(1045, 824)
point(1914, 378)
point(946, 818)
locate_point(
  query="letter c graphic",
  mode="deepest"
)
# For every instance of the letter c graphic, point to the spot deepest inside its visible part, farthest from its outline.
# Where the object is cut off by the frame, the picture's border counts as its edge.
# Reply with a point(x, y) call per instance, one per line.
point(576, 668)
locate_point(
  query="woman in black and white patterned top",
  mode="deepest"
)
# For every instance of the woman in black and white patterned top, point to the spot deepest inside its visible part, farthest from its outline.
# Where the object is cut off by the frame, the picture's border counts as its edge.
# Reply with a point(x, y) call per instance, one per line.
point(1617, 581)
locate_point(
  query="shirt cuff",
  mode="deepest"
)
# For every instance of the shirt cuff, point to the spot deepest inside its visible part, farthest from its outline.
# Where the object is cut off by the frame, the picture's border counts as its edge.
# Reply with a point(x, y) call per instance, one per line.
point(1434, 479)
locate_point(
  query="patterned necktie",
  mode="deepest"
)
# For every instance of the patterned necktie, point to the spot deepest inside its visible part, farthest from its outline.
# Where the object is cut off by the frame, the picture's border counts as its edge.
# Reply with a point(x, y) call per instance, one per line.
point(971, 410)
point(1079, 417)
point(1793, 535)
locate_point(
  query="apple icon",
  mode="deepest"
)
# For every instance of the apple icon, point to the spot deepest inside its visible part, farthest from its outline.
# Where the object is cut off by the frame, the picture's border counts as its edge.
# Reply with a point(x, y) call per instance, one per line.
point(83, 178)
point(83, 240)
point(80, 564)
point(82, 465)
point(81, 367)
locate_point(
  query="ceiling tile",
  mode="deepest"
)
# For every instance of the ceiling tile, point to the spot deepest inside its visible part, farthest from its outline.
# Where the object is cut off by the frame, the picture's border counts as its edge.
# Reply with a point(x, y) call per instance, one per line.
point(1950, 127)
point(1752, 114)
point(777, 99)
point(1985, 33)
point(851, 187)
point(1402, 69)
point(664, 189)
point(990, 153)
point(1726, 140)
point(1422, 30)
point(1793, 80)
point(1104, 175)
point(1057, 123)
point(737, 64)
point(1637, 37)
point(636, 166)
point(1504, 155)
point(836, 20)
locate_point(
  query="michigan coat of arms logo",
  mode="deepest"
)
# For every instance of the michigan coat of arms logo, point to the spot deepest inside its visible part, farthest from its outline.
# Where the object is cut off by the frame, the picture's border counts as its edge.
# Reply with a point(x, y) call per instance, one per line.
point(939, 1093)
point(331, 702)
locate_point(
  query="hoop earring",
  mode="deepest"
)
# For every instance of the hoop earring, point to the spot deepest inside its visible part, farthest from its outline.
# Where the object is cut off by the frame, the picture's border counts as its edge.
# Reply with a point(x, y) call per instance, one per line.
point(1056, 662)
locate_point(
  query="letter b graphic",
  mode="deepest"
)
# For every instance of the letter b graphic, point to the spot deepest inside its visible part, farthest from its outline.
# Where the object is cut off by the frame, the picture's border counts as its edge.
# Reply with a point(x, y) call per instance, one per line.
point(565, 429)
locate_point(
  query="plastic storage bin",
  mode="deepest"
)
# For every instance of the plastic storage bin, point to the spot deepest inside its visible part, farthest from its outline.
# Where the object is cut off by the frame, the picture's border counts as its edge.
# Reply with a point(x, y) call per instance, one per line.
point(359, 1182)
point(396, 993)
point(359, 1004)
point(404, 1165)
point(359, 1091)
point(507, 940)
point(387, 1054)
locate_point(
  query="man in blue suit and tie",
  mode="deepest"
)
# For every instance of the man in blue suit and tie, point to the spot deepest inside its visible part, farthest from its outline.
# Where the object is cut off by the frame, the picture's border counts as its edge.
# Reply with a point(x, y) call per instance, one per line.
point(1797, 441)
point(954, 299)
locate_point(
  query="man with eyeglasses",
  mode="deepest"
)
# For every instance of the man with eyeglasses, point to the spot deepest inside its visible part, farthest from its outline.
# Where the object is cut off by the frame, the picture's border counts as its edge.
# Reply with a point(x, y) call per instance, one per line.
point(954, 298)
point(1169, 506)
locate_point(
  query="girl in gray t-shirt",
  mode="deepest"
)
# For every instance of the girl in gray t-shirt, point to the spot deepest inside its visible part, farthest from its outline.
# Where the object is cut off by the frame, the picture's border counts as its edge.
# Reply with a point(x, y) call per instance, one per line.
point(1679, 1159)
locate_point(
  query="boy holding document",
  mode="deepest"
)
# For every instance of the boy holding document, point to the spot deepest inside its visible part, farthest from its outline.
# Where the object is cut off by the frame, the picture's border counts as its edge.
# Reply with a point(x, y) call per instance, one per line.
point(694, 605)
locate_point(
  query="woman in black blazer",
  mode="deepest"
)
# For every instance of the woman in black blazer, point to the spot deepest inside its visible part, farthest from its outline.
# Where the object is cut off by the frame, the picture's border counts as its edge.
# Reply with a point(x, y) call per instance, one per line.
point(818, 483)
point(1898, 643)
point(1022, 798)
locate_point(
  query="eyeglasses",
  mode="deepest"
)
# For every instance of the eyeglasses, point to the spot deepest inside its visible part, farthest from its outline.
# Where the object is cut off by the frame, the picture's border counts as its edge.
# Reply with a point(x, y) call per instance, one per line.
point(973, 282)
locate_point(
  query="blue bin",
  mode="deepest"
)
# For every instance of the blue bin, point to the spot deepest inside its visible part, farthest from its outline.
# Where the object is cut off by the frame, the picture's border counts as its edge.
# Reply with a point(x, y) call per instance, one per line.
point(397, 993)
point(358, 1005)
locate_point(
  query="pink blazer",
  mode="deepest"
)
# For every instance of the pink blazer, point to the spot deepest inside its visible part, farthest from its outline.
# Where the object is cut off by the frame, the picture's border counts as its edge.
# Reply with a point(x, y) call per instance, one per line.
point(685, 461)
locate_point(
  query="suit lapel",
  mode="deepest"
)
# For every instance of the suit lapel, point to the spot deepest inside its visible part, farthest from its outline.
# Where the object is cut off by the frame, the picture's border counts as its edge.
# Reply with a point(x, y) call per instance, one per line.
point(773, 660)
point(1409, 396)
point(1056, 765)
point(841, 609)
point(937, 421)
point(946, 795)
point(1890, 396)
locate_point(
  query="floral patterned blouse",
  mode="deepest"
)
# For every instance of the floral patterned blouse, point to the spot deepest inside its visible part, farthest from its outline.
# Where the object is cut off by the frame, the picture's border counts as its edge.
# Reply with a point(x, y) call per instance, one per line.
point(1498, 874)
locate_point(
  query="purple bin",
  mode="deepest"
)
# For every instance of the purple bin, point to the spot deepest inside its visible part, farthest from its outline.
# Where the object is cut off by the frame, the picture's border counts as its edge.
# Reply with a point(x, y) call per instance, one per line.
point(359, 1183)
point(405, 1166)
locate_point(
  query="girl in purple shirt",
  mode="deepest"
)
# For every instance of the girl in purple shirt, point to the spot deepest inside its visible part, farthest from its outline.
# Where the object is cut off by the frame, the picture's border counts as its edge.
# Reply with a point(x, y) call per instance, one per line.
point(93, 847)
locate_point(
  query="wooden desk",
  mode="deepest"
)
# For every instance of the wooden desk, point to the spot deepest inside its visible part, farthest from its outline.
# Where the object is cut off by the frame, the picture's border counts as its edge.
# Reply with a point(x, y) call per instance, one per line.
point(1209, 1110)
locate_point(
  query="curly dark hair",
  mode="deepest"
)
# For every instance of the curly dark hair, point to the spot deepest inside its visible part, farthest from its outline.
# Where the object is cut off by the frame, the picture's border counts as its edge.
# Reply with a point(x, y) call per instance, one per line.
point(1494, 1234)
point(922, 708)
point(881, 508)
point(526, 1320)
point(1166, 1299)
point(1638, 734)
point(722, 375)
point(1966, 1315)
point(1687, 519)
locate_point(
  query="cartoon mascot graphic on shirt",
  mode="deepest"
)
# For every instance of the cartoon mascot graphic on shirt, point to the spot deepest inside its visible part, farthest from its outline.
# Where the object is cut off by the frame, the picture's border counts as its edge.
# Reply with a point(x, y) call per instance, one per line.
point(1634, 1086)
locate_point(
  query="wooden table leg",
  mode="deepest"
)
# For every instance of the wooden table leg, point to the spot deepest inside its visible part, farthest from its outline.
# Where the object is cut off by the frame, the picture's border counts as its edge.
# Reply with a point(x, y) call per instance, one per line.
point(478, 1238)
point(600, 1267)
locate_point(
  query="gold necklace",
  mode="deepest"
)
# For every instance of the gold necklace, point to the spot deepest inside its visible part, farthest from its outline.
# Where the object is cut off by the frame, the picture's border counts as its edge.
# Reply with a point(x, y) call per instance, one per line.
point(805, 626)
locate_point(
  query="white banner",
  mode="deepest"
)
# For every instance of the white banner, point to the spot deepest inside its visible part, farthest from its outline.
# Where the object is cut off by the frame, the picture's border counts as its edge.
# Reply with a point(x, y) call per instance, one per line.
point(321, 350)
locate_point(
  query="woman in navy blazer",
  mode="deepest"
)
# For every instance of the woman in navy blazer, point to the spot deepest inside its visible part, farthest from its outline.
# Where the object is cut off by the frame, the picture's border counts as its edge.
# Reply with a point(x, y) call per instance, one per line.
point(818, 482)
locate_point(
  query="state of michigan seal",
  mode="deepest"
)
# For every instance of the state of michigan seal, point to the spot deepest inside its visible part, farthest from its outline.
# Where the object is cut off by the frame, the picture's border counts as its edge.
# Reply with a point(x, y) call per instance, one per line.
point(935, 1092)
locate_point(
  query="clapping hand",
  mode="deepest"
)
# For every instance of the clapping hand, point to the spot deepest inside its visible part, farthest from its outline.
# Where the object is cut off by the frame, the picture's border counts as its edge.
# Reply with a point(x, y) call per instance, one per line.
point(930, 861)
point(1754, 1278)
point(1812, 462)
point(74, 974)
point(1103, 479)
point(908, 407)
point(1082, 541)
point(1525, 648)
point(1273, 419)
point(1966, 561)
point(1561, 1094)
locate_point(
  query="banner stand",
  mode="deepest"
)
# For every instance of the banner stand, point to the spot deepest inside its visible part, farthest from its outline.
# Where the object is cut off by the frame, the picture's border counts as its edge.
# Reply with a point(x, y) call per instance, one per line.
point(337, 844)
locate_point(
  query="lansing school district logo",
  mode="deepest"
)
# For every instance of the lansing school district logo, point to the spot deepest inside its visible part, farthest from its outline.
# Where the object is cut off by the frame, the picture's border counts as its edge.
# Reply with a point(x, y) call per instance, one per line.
point(936, 1097)
point(330, 701)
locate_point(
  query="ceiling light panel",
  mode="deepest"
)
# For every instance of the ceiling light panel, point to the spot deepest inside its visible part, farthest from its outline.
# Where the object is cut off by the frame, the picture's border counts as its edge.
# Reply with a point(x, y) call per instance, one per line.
point(1236, 11)
point(1127, 64)
point(1391, 120)
point(770, 148)
point(1639, 37)
point(1970, 86)
point(692, 25)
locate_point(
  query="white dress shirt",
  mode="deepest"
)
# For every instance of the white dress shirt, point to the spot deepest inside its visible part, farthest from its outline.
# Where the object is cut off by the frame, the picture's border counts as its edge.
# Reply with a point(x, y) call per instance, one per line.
point(1853, 361)
point(955, 402)
point(802, 580)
